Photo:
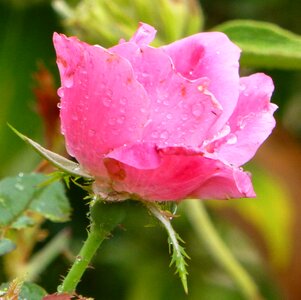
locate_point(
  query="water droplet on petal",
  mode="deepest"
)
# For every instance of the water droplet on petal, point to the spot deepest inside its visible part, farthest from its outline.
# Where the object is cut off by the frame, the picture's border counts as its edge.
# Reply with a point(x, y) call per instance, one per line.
point(91, 132)
point(59, 105)
point(21, 174)
point(232, 139)
point(68, 80)
point(112, 121)
point(155, 134)
point(201, 88)
point(123, 101)
point(106, 101)
point(60, 92)
point(184, 117)
point(197, 109)
point(164, 135)
point(120, 120)
point(109, 93)
point(242, 87)
point(169, 116)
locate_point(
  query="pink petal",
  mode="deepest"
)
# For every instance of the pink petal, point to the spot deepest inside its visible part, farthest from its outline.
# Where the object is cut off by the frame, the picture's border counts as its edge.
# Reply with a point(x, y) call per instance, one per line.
point(226, 184)
point(182, 111)
point(141, 156)
point(214, 56)
point(251, 122)
point(102, 104)
point(144, 34)
point(180, 175)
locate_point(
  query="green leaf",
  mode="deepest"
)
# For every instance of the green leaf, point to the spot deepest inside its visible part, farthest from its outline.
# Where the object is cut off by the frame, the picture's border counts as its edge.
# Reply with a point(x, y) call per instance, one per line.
point(57, 160)
point(264, 44)
point(28, 290)
point(23, 222)
point(24, 193)
point(6, 246)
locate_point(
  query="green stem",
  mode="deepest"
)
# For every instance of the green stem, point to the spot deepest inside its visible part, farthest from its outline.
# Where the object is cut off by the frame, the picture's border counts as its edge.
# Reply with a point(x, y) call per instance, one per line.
point(201, 223)
point(95, 238)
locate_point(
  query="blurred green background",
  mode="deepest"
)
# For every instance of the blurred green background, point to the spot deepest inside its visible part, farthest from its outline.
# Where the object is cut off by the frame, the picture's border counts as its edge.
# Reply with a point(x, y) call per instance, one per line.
point(264, 234)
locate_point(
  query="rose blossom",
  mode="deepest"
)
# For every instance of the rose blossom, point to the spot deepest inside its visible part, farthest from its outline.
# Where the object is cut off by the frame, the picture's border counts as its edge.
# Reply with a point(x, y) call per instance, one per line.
point(164, 123)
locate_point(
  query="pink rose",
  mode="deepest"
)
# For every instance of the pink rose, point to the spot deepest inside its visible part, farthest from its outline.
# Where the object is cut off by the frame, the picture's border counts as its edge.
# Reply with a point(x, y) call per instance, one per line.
point(163, 123)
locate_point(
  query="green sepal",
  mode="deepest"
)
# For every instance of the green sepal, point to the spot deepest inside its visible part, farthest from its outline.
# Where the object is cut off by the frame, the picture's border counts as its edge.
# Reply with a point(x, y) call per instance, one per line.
point(105, 216)
point(57, 160)
point(176, 250)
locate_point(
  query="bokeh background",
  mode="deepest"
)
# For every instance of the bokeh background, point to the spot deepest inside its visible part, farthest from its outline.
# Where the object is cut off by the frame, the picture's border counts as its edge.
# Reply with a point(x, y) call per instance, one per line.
point(264, 234)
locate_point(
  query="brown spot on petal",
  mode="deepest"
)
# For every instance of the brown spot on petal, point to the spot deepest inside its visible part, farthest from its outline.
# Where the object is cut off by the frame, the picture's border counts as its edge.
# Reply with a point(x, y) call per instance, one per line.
point(183, 91)
point(62, 61)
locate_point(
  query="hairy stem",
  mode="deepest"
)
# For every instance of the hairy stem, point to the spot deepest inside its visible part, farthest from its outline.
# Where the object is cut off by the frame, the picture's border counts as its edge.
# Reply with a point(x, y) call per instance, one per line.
point(82, 260)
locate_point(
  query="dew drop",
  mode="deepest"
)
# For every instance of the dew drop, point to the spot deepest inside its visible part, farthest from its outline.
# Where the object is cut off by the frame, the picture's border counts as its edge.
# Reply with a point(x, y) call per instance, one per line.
point(143, 110)
point(115, 131)
point(241, 122)
point(184, 117)
point(68, 82)
point(169, 116)
point(106, 101)
point(19, 186)
point(218, 52)
point(120, 120)
point(21, 174)
point(123, 101)
point(242, 87)
point(197, 109)
point(164, 135)
point(155, 134)
point(60, 288)
point(60, 92)
point(166, 102)
point(201, 88)
point(109, 93)
point(59, 105)
point(76, 169)
point(79, 258)
point(232, 139)
point(112, 121)
point(91, 132)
